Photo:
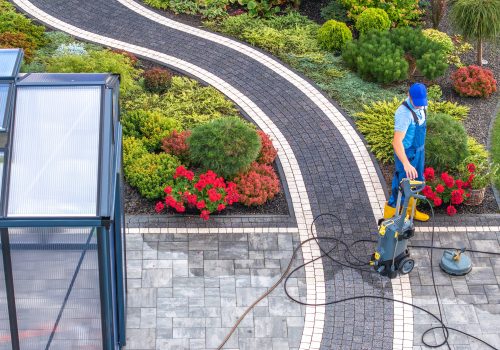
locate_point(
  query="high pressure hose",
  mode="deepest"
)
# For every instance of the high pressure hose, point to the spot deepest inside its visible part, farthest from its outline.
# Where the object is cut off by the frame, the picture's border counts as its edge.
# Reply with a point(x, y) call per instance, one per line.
point(358, 266)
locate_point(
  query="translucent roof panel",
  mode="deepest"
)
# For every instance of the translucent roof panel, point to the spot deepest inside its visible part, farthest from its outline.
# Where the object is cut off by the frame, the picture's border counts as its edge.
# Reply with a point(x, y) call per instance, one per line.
point(9, 62)
point(4, 95)
point(55, 152)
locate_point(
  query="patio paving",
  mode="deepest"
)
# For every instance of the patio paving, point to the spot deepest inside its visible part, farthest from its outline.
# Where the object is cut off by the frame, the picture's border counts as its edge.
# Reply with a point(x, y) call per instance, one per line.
point(187, 290)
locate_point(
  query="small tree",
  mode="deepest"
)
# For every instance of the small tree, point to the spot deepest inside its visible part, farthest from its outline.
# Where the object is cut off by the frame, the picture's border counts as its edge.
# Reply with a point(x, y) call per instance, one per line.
point(477, 20)
point(437, 7)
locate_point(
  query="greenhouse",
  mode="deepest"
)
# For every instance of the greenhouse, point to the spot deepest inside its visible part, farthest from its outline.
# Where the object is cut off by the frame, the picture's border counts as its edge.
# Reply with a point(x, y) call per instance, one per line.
point(62, 265)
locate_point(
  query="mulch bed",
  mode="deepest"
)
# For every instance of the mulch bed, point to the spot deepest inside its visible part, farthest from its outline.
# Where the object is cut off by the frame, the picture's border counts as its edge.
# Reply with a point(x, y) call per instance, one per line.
point(135, 204)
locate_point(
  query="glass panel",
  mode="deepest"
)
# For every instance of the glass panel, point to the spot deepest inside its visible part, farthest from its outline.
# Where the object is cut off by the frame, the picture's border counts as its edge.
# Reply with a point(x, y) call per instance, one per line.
point(4, 311)
point(55, 152)
point(4, 94)
point(8, 60)
point(56, 281)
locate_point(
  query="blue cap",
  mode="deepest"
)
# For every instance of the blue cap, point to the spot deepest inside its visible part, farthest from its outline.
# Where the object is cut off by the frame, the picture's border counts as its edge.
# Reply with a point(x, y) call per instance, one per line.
point(418, 94)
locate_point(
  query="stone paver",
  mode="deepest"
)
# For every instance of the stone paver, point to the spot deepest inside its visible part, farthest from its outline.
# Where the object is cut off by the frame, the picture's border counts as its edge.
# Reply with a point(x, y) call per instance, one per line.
point(470, 303)
point(190, 289)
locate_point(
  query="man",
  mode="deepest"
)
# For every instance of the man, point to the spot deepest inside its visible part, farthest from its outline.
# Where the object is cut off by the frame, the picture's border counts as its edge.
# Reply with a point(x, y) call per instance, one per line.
point(409, 145)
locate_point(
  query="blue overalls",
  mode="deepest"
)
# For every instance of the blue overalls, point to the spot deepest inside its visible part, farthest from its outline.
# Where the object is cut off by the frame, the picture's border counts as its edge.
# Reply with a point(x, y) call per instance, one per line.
point(415, 154)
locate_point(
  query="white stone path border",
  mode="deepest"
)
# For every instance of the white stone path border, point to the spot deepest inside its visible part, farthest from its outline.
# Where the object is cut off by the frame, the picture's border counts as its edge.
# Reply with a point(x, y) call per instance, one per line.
point(314, 319)
point(453, 229)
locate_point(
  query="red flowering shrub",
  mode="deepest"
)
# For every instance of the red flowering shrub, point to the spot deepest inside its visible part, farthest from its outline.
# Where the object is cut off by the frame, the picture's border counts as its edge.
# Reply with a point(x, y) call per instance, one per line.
point(446, 189)
point(10, 40)
point(133, 59)
point(474, 81)
point(267, 153)
point(176, 144)
point(258, 185)
point(157, 80)
point(207, 193)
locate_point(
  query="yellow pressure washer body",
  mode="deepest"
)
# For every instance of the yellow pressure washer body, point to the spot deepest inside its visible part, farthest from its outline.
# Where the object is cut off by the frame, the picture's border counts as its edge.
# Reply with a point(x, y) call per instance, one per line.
point(392, 255)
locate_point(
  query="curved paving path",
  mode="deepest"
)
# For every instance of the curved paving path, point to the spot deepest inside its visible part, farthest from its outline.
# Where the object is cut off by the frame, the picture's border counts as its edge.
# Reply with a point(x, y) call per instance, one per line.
point(326, 165)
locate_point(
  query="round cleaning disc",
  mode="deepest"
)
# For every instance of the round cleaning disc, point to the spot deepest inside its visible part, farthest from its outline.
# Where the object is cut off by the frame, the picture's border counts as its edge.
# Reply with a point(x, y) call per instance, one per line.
point(455, 267)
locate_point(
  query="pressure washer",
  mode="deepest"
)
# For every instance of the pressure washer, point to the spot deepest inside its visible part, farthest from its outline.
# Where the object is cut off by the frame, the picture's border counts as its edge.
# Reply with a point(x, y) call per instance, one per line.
point(392, 255)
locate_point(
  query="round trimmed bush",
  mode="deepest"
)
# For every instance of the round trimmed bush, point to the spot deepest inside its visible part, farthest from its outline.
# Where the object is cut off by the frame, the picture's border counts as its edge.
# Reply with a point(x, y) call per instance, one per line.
point(226, 146)
point(474, 81)
point(372, 19)
point(446, 143)
point(151, 127)
point(150, 173)
point(333, 35)
point(157, 80)
point(258, 185)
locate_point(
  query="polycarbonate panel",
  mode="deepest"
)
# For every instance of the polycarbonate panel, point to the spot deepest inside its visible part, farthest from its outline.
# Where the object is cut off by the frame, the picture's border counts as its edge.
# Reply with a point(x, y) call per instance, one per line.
point(56, 277)
point(8, 60)
point(4, 94)
point(55, 152)
point(4, 311)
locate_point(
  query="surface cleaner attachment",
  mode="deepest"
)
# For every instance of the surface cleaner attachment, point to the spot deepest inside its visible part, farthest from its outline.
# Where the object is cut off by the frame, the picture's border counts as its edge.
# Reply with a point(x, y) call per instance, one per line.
point(392, 255)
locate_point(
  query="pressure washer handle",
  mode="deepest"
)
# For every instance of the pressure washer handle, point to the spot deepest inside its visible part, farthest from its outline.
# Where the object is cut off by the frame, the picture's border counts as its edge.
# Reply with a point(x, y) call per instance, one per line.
point(411, 188)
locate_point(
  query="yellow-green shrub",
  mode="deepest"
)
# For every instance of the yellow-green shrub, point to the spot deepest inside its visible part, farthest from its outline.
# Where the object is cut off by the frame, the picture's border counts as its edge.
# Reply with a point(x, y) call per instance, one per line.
point(333, 35)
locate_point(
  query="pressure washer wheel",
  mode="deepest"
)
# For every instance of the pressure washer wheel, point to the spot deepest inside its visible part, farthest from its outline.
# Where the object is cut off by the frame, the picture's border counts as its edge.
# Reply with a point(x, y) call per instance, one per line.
point(406, 265)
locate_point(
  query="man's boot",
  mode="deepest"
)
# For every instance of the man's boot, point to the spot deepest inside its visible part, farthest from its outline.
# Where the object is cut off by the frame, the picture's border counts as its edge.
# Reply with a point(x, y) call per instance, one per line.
point(419, 216)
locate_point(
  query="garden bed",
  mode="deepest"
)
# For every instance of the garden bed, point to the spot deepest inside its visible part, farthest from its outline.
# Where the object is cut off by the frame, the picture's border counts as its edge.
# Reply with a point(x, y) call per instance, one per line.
point(175, 130)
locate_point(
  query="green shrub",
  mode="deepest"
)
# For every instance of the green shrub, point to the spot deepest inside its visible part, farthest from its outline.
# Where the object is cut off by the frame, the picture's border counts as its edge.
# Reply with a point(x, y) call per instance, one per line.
point(432, 65)
point(376, 58)
point(149, 126)
point(434, 93)
point(440, 38)
point(401, 12)
point(446, 142)
point(150, 172)
point(186, 101)
point(279, 35)
point(13, 22)
point(159, 4)
point(372, 19)
point(453, 109)
point(376, 123)
point(300, 39)
point(226, 146)
point(380, 56)
point(260, 8)
point(133, 149)
point(97, 62)
point(334, 10)
point(333, 35)
point(236, 25)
